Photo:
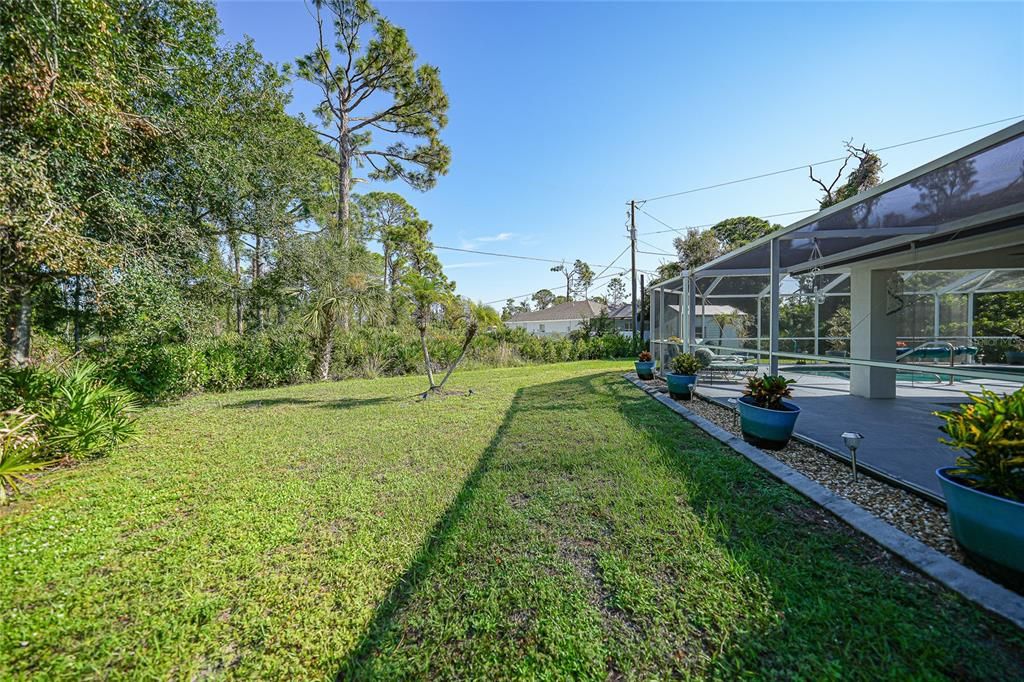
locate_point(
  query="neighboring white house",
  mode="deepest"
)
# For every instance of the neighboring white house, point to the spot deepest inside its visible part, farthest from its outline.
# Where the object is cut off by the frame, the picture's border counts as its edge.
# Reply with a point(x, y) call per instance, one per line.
point(558, 320)
point(708, 319)
point(708, 323)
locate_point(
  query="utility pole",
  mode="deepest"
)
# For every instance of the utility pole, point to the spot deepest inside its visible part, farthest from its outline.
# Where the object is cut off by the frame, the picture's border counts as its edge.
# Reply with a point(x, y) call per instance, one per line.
point(643, 304)
point(632, 250)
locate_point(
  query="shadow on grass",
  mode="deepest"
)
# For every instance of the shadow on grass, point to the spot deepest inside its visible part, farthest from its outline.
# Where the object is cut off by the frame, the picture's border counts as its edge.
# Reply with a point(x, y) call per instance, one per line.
point(814, 584)
point(270, 402)
point(340, 404)
point(405, 587)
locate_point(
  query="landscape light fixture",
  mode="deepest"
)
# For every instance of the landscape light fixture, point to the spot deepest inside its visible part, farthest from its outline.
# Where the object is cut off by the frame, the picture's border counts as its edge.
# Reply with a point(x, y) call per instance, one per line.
point(735, 405)
point(852, 440)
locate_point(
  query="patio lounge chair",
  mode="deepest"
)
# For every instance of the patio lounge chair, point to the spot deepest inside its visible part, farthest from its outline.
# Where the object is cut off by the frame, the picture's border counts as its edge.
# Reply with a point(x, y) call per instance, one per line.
point(726, 367)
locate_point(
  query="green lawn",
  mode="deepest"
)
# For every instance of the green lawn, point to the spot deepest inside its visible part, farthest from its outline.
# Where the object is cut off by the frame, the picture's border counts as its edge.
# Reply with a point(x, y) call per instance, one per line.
point(557, 523)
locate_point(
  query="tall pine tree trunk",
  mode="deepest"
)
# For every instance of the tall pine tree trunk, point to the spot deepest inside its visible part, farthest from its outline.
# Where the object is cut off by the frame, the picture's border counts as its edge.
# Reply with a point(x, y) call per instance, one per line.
point(239, 306)
point(344, 192)
point(78, 313)
point(18, 325)
point(257, 272)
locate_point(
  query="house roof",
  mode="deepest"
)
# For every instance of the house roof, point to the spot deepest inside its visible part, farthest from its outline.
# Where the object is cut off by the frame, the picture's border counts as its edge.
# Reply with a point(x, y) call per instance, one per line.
point(573, 310)
point(624, 311)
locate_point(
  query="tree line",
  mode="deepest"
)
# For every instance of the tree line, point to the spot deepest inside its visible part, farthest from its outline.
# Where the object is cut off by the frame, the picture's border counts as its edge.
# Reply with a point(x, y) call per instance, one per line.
point(157, 198)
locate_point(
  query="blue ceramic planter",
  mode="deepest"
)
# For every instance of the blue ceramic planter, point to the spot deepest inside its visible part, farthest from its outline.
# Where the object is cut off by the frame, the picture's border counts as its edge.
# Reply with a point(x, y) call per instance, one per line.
point(644, 370)
point(769, 429)
point(989, 526)
point(680, 386)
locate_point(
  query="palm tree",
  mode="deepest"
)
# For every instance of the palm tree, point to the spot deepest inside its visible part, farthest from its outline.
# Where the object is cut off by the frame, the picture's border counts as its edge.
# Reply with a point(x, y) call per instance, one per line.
point(338, 280)
point(425, 293)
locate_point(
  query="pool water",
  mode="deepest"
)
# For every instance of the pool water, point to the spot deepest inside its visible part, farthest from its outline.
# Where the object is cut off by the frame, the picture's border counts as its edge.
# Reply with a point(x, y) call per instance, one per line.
point(915, 377)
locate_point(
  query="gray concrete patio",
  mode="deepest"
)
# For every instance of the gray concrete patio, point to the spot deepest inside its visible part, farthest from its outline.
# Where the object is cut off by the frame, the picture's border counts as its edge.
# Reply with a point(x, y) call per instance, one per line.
point(901, 435)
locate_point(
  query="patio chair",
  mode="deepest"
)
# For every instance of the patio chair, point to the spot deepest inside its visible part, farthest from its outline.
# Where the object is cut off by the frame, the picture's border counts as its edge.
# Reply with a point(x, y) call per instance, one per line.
point(726, 367)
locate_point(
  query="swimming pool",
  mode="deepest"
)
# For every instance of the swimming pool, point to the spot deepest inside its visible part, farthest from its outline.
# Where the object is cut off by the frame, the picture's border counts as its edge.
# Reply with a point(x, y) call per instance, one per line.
point(911, 377)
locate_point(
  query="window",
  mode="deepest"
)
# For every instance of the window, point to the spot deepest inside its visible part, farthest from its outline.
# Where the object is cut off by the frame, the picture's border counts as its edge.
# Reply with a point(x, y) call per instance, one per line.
point(542, 326)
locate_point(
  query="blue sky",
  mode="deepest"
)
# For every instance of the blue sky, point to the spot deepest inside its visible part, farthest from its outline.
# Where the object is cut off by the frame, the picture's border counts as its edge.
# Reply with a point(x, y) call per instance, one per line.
point(561, 112)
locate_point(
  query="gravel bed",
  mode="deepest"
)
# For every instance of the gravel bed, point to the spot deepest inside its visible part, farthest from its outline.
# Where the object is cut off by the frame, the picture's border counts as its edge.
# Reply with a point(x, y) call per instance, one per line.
point(913, 515)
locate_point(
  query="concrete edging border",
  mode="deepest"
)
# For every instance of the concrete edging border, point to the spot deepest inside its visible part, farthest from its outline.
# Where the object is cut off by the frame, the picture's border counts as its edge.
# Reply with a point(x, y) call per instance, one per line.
point(972, 586)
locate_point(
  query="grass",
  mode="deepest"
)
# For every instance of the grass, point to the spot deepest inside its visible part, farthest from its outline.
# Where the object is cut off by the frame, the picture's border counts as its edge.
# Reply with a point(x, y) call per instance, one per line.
point(556, 523)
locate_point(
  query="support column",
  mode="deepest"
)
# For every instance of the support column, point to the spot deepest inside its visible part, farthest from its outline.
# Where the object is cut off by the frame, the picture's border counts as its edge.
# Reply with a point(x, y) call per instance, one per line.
point(650, 322)
point(773, 321)
point(758, 299)
point(970, 318)
point(872, 334)
point(935, 322)
point(681, 295)
point(817, 314)
point(691, 314)
point(662, 347)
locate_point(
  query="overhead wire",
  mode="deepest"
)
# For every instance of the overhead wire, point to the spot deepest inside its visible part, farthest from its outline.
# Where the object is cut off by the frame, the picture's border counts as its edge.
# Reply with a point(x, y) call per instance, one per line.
point(828, 161)
point(659, 253)
point(510, 255)
point(556, 286)
point(678, 231)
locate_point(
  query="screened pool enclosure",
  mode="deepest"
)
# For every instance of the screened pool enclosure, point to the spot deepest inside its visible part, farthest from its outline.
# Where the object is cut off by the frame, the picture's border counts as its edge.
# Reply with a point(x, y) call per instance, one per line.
point(908, 281)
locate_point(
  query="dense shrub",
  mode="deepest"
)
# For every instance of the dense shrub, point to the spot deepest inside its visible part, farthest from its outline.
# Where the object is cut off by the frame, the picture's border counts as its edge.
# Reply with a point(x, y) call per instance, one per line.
point(78, 413)
point(20, 450)
point(145, 362)
point(222, 363)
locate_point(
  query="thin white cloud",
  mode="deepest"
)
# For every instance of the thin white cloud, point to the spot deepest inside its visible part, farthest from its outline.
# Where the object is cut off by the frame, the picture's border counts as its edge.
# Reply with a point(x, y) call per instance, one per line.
point(469, 264)
point(500, 237)
point(475, 243)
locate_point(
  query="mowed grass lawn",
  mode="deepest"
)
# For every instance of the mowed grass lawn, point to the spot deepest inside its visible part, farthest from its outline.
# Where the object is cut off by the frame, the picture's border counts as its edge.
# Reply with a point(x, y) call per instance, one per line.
point(557, 523)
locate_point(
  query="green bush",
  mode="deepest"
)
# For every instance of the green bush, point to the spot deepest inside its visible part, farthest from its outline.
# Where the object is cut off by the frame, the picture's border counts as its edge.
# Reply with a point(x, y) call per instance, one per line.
point(990, 430)
point(769, 390)
point(80, 414)
point(686, 364)
point(20, 451)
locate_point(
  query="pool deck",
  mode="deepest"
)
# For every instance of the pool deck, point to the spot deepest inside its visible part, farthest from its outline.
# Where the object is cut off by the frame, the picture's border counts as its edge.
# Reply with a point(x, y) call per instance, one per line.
point(900, 435)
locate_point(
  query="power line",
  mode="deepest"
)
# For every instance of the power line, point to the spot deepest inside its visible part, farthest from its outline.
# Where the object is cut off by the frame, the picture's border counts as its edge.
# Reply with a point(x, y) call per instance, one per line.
point(531, 293)
point(621, 254)
point(827, 161)
point(659, 253)
point(763, 217)
point(510, 255)
point(659, 220)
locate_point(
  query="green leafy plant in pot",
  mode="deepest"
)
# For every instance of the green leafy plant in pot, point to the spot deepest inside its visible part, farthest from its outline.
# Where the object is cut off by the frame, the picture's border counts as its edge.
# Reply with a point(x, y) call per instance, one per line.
point(683, 376)
point(766, 418)
point(1016, 329)
point(985, 490)
point(644, 365)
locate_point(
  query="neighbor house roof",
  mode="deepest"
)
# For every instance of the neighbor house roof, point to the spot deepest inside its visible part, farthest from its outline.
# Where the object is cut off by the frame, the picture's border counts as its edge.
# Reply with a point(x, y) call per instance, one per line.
point(624, 311)
point(573, 310)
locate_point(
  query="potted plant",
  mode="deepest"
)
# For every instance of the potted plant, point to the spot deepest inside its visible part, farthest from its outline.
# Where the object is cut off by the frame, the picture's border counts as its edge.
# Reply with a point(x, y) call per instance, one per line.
point(644, 365)
point(766, 419)
point(1016, 329)
point(985, 490)
point(683, 376)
